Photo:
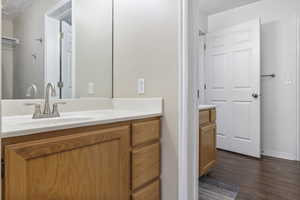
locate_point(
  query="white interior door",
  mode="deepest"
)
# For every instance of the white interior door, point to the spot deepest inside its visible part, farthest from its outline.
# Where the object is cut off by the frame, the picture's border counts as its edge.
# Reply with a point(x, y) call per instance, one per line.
point(66, 60)
point(233, 84)
point(52, 50)
point(202, 70)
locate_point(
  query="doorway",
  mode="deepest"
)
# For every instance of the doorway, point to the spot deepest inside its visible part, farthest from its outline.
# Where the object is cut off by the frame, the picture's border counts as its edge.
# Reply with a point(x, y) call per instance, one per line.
point(278, 93)
point(59, 68)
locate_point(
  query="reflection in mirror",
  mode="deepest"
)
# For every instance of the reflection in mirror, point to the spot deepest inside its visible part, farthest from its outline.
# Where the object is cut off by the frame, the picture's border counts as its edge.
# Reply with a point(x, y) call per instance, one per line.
point(64, 42)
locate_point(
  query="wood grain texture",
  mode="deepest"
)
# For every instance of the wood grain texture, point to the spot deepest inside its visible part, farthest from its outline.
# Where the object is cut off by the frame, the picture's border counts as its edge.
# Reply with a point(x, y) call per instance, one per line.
point(146, 131)
point(259, 179)
point(88, 165)
point(204, 117)
point(213, 115)
point(207, 148)
point(145, 165)
point(149, 192)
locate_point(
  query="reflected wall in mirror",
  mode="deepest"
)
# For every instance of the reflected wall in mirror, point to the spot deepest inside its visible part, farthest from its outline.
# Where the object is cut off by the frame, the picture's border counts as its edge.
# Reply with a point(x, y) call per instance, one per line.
point(65, 42)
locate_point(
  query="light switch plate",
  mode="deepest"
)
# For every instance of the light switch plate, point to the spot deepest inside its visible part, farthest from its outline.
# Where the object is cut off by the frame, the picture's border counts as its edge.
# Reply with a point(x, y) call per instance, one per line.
point(141, 86)
point(91, 88)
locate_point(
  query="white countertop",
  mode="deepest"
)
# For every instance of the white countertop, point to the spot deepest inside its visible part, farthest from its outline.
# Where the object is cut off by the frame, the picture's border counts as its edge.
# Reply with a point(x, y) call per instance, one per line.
point(205, 107)
point(24, 125)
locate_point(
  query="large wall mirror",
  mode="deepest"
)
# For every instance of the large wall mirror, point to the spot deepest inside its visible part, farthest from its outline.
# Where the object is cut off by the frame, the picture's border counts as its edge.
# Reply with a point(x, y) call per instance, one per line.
point(65, 42)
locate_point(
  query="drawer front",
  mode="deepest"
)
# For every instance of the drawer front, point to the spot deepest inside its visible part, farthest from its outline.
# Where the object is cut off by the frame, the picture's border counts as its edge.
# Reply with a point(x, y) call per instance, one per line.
point(150, 192)
point(147, 131)
point(145, 165)
point(204, 117)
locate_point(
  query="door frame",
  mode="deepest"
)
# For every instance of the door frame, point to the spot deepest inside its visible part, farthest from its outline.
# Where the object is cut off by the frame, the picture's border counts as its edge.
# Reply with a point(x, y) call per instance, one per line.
point(188, 117)
point(298, 89)
point(61, 4)
point(183, 99)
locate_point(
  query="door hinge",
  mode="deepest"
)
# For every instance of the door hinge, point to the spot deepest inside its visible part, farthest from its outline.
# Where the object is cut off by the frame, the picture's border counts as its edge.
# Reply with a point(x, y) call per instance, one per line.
point(205, 86)
point(204, 47)
point(61, 35)
point(198, 94)
point(2, 168)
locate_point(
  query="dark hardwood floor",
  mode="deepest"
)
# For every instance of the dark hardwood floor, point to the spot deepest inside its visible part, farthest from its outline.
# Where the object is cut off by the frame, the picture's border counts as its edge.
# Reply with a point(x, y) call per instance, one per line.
point(265, 179)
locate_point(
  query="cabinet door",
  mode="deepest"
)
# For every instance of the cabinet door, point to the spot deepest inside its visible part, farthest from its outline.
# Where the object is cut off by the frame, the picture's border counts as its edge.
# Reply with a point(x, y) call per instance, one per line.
point(91, 165)
point(207, 148)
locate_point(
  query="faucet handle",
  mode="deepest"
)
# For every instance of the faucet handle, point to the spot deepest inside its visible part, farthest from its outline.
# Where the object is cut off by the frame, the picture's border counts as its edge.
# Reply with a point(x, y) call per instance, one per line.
point(37, 109)
point(55, 112)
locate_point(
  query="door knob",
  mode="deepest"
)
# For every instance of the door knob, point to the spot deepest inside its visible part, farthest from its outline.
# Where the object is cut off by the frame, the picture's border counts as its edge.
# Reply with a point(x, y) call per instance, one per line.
point(254, 95)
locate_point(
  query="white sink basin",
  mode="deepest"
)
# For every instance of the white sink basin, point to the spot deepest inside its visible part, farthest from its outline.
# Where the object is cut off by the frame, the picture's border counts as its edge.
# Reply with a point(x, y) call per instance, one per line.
point(52, 121)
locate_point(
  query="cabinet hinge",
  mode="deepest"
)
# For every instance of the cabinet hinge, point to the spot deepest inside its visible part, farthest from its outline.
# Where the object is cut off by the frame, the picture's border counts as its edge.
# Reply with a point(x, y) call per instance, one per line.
point(204, 47)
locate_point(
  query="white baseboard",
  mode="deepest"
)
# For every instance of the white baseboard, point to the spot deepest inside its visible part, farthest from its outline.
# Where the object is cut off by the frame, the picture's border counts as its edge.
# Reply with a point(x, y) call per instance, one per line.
point(276, 154)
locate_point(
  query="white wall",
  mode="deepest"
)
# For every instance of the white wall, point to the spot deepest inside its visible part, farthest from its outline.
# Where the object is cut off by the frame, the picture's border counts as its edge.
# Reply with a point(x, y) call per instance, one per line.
point(279, 120)
point(93, 53)
point(146, 46)
point(203, 21)
point(8, 61)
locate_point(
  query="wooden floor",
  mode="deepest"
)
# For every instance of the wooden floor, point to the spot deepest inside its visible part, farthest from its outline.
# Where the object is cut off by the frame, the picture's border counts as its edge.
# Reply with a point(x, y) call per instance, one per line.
point(265, 179)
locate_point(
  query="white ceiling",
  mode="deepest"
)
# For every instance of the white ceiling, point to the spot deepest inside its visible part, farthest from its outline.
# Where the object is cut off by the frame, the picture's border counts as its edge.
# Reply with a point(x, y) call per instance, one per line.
point(12, 7)
point(215, 6)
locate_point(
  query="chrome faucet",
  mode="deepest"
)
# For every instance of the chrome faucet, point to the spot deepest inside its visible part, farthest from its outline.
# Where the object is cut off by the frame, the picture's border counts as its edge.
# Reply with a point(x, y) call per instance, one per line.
point(47, 112)
point(49, 88)
point(31, 91)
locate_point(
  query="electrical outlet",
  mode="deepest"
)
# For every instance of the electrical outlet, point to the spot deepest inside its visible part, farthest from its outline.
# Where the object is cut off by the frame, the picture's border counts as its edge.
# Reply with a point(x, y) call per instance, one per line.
point(141, 86)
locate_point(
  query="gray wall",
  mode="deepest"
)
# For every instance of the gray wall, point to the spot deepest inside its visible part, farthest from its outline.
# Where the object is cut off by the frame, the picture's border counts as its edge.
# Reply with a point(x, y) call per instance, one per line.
point(146, 46)
point(7, 61)
point(93, 37)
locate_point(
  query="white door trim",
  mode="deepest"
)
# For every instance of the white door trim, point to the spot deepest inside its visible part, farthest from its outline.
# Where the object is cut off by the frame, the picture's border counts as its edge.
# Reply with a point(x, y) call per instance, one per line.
point(188, 102)
point(51, 12)
point(183, 101)
point(298, 89)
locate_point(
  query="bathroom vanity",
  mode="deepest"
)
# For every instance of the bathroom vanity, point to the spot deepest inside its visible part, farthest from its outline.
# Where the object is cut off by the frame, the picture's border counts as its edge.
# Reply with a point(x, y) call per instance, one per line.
point(71, 140)
point(207, 138)
point(105, 154)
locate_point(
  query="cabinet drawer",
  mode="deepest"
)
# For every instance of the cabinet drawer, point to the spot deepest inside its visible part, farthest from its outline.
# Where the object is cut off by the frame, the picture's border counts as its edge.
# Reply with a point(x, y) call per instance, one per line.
point(150, 192)
point(145, 165)
point(146, 131)
point(204, 117)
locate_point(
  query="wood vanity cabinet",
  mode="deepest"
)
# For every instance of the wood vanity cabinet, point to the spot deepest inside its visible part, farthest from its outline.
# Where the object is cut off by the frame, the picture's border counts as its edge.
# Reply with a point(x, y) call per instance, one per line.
point(107, 162)
point(207, 141)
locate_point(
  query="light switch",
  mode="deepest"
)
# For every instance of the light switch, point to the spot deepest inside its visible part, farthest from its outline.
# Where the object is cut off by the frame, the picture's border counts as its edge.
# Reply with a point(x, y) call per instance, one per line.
point(141, 86)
